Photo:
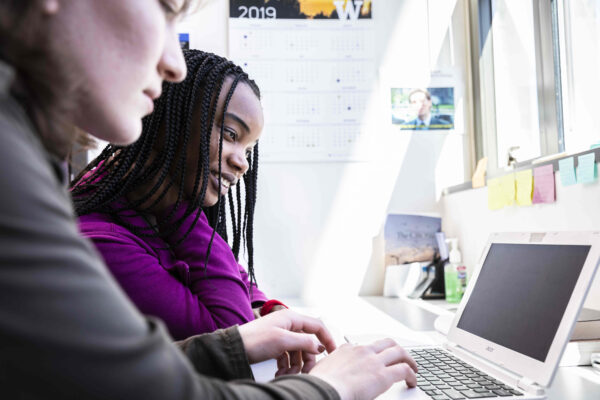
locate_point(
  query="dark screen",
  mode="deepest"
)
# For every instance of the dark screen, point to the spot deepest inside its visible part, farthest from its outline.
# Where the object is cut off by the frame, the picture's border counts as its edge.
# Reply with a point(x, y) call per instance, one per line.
point(521, 295)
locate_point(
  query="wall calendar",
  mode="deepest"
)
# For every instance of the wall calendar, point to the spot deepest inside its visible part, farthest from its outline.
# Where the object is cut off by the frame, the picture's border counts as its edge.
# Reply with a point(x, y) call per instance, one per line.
point(314, 63)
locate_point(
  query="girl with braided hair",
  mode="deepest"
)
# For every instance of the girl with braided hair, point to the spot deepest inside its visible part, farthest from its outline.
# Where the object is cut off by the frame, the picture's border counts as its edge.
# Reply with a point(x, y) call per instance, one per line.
point(156, 210)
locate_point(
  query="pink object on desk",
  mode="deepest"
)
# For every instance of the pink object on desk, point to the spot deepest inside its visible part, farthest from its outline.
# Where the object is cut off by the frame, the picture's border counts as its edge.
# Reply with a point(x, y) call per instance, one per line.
point(543, 184)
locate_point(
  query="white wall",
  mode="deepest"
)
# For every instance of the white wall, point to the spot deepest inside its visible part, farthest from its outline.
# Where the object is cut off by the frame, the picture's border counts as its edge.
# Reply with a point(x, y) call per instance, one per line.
point(318, 224)
point(467, 217)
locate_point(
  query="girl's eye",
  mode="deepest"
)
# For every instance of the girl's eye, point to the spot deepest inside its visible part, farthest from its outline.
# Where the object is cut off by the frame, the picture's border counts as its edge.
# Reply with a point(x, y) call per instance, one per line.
point(232, 135)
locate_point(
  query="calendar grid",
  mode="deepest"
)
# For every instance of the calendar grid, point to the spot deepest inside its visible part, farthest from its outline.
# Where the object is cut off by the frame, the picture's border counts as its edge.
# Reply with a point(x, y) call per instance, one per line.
point(315, 78)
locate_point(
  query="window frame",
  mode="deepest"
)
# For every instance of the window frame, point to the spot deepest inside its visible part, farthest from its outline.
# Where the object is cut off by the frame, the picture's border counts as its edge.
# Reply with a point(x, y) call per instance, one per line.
point(548, 74)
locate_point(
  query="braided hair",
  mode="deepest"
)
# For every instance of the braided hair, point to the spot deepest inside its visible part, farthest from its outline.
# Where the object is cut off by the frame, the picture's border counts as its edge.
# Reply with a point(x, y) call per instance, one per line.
point(119, 170)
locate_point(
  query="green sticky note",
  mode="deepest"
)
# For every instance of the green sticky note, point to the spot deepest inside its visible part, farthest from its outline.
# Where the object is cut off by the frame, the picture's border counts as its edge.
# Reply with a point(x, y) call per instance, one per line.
point(586, 168)
point(566, 167)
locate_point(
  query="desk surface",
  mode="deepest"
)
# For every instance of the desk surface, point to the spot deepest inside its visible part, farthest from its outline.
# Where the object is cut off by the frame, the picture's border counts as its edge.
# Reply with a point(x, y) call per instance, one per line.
point(572, 383)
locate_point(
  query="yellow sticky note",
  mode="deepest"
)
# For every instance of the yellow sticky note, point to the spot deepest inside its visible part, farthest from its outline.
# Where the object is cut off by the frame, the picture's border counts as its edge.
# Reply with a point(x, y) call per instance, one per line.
point(495, 199)
point(524, 187)
point(507, 187)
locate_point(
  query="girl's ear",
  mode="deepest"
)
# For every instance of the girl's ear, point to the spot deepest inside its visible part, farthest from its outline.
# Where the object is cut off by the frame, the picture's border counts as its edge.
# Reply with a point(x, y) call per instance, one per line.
point(50, 7)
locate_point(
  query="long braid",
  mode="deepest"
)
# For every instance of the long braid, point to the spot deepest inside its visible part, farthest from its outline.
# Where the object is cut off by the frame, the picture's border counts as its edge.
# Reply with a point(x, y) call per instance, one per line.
point(207, 130)
point(250, 181)
point(219, 174)
point(158, 161)
point(235, 219)
point(205, 65)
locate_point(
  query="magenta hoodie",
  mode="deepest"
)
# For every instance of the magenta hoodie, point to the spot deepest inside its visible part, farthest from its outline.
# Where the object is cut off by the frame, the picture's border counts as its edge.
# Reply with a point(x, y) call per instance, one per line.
point(174, 286)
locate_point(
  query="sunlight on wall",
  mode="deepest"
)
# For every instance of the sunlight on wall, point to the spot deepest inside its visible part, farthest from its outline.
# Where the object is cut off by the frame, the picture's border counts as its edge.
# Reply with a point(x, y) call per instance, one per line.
point(208, 27)
point(357, 213)
point(449, 168)
point(364, 193)
point(441, 31)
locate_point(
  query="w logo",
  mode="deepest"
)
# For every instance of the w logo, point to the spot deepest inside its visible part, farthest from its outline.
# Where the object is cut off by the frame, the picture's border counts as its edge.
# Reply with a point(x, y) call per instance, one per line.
point(351, 11)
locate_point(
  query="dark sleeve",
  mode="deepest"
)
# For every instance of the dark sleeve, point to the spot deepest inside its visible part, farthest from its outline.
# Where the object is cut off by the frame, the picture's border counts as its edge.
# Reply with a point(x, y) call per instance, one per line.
point(220, 354)
point(66, 329)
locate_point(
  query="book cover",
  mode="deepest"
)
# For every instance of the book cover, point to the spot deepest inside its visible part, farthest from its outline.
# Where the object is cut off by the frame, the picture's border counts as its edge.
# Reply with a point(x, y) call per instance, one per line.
point(410, 238)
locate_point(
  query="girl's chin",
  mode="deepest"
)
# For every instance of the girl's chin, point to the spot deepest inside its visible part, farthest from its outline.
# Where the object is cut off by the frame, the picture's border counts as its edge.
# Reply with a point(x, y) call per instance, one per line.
point(210, 200)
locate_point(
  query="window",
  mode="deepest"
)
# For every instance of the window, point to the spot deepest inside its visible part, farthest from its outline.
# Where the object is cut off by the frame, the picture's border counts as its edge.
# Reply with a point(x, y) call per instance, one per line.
point(517, 81)
point(579, 30)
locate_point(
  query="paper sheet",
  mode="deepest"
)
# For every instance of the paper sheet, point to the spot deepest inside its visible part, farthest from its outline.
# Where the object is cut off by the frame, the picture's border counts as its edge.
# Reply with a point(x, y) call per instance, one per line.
point(524, 187)
point(586, 168)
point(566, 167)
point(315, 70)
point(478, 179)
point(507, 186)
point(495, 201)
point(543, 184)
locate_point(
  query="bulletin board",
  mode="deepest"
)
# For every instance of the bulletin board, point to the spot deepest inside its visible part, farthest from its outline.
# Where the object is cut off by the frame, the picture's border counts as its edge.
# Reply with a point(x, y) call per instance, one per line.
point(314, 63)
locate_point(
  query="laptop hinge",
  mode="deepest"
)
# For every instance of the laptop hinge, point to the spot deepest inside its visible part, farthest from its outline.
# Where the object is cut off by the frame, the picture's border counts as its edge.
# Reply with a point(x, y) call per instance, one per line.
point(530, 386)
point(503, 374)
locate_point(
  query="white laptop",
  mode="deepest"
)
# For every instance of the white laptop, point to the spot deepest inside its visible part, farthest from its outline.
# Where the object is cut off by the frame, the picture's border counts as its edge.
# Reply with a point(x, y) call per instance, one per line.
point(514, 320)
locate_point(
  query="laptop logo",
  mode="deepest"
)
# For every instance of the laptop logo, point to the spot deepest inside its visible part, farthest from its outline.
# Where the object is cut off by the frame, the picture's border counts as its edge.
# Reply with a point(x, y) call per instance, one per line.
point(536, 237)
point(490, 349)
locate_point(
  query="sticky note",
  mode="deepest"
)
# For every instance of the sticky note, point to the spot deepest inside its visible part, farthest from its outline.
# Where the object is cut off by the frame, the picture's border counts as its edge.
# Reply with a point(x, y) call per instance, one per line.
point(566, 168)
point(478, 179)
point(524, 187)
point(495, 200)
point(586, 168)
point(507, 187)
point(543, 184)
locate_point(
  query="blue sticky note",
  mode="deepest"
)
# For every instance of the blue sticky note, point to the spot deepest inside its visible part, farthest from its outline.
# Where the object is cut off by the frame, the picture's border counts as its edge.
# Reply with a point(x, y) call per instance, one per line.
point(586, 168)
point(566, 167)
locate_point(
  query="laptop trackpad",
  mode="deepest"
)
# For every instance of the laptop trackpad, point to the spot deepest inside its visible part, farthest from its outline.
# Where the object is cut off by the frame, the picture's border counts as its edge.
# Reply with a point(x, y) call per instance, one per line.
point(401, 391)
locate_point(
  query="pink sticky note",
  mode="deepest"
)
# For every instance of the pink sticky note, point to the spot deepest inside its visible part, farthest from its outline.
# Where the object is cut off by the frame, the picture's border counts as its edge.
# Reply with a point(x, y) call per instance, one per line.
point(543, 184)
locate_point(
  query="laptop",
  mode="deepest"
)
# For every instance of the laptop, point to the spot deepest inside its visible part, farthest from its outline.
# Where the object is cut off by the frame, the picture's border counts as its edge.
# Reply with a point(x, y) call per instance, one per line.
point(514, 321)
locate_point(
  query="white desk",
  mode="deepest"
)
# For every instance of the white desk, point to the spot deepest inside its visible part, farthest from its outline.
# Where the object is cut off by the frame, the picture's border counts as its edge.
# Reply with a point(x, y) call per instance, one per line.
point(366, 319)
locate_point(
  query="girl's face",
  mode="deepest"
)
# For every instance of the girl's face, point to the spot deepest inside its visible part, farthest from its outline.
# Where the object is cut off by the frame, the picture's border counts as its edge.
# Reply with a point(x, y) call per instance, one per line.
point(242, 126)
point(120, 51)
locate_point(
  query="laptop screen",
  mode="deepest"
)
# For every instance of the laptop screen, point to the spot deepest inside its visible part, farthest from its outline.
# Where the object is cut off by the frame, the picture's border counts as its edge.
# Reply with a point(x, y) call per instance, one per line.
point(521, 295)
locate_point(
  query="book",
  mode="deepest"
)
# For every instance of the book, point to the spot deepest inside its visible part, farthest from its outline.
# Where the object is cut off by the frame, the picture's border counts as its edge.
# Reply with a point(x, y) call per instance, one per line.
point(578, 352)
point(585, 339)
point(587, 326)
point(410, 238)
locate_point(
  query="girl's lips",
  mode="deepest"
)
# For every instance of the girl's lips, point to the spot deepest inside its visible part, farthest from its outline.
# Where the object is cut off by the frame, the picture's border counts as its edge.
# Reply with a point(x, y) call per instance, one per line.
point(223, 188)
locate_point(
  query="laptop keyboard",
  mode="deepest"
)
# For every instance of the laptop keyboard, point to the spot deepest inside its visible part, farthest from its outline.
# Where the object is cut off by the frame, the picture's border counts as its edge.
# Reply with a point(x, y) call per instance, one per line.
point(443, 376)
